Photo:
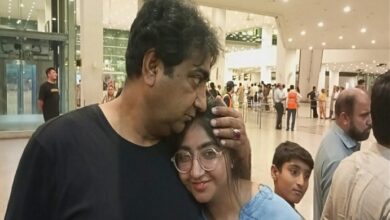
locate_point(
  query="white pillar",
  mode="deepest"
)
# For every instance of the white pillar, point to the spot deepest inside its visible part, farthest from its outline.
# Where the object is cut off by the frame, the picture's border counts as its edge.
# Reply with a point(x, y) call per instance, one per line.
point(266, 44)
point(91, 45)
point(219, 74)
point(309, 69)
point(287, 61)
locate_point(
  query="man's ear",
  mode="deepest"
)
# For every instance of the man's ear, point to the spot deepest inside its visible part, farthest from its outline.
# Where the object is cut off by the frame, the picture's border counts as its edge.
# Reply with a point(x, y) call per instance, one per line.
point(345, 119)
point(150, 67)
point(274, 172)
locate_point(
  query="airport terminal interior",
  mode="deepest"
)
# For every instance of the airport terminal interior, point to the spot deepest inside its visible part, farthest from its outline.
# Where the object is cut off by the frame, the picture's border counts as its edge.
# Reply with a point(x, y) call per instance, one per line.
point(305, 43)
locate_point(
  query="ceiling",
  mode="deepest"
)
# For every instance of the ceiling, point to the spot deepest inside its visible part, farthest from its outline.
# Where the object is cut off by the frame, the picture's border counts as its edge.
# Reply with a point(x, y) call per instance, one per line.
point(291, 18)
point(295, 16)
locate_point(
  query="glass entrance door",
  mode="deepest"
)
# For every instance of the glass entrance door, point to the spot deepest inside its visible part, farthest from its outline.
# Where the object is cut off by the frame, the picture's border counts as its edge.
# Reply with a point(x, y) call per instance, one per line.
point(21, 86)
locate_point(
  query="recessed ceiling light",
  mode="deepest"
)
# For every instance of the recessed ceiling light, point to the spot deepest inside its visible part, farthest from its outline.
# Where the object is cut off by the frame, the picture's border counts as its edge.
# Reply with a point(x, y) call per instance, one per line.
point(290, 39)
point(310, 48)
point(303, 32)
point(323, 43)
point(353, 46)
point(341, 37)
point(363, 30)
point(285, 0)
point(54, 19)
point(374, 61)
point(21, 5)
point(347, 9)
point(320, 24)
point(18, 21)
point(373, 41)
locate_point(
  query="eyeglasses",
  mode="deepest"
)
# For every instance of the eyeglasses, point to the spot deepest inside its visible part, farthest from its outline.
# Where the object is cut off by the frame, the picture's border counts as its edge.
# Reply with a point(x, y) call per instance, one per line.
point(207, 158)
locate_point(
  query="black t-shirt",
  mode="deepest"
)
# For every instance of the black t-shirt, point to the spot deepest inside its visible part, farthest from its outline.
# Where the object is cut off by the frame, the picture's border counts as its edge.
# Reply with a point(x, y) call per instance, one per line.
point(49, 94)
point(77, 167)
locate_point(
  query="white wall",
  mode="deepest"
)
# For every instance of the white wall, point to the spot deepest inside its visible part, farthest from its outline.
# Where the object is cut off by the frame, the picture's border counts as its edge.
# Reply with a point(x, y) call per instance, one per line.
point(356, 55)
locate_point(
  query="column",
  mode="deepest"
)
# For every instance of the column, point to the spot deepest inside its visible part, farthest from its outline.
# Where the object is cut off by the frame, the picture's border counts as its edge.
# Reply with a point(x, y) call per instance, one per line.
point(309, 69)
point(91, 45)
point(266, 45)
point(219, 75)
point(287, 61)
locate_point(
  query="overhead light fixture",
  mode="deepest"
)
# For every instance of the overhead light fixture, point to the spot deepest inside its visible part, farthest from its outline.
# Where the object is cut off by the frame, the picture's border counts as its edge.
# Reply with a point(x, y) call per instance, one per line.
point(290, 39)
point(353, 47)
point(363, 30)
point(341, 37)
point(310, 48)
point(285, 0)
point(21, 5)
point(18, 21)
point(303, 32)
point(320, 24)
point(323, 43)
point(373, 41)
point(347, 9)
point(54, 19)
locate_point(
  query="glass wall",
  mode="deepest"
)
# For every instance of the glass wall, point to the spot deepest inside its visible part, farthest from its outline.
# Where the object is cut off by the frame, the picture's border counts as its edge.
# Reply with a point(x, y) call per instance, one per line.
point(31, 40)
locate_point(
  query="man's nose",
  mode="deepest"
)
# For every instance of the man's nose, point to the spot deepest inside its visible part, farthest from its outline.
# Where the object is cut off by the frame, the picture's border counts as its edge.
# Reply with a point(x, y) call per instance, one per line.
point(200, 101)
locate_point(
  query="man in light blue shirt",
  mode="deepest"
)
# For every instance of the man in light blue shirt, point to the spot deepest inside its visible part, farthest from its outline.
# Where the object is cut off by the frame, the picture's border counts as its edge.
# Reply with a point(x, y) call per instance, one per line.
point(353, 124)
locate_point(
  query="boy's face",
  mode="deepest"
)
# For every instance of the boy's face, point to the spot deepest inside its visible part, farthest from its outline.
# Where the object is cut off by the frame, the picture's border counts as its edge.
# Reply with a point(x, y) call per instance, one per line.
point(292, 180)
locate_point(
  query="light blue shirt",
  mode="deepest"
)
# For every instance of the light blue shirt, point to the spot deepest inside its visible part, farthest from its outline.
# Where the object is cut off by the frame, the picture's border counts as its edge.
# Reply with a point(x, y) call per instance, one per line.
point(267, 205)
point(335, 146)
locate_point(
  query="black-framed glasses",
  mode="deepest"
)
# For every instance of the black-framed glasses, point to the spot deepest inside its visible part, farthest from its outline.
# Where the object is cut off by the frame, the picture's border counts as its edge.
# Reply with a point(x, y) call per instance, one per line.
point(207, 158)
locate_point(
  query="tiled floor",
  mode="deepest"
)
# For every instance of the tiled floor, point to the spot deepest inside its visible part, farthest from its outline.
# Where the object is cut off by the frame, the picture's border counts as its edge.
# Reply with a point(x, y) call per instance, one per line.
point(308, 133)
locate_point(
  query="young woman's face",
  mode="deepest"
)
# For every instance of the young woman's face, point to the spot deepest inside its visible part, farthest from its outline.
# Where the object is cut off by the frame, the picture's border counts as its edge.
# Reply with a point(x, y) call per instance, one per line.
point(207, 176)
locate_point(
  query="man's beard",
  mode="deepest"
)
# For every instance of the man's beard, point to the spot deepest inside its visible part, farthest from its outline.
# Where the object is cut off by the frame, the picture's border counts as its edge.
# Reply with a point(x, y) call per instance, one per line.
point(357, 135)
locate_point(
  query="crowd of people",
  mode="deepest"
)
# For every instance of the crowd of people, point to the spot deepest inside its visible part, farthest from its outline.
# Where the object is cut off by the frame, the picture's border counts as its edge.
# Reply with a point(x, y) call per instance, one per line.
point(177, 150)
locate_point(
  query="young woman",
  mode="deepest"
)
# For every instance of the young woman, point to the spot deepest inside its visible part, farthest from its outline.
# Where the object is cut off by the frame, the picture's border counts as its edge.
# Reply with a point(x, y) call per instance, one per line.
point(210, 173)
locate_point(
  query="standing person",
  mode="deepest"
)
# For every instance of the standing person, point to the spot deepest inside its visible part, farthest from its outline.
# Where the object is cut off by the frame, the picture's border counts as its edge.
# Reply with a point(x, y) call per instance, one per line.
point(322, 102)
point(335, 94)
point(292, 105)
point(112, 161)
point(313, 101)
point(110, 94)
point(210, 172)
point(361, 84)
point(291, 170)
point(279, 98)
point(213, 91)
point(241, 95)
point(228, 97)
point(352, 125)
point(361, 188)
point(49, 95)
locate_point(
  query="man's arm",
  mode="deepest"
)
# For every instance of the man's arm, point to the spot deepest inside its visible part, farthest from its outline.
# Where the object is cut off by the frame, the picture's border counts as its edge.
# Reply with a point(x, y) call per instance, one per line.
point(40, 105)
point(32, 194)
point(223, 128)
point(326, 180)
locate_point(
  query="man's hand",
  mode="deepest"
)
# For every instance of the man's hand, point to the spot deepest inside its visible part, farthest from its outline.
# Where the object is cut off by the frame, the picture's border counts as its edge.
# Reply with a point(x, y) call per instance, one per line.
point(230, 128)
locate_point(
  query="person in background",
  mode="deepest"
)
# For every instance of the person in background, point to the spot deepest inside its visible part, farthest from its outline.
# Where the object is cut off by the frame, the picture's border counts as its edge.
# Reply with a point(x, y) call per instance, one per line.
point(291, 170)
point(210, 172)
point(361, 84)
point(228, 97)
point(49, 95)
point(322, 103)
point(313, 101)
point(213, 91)
point(241, 95)
point(292, 106)
point(278, 100)
point(333, 99)
point(361, 188)
point(112, 161)
point(352, 125)
point(110, 95)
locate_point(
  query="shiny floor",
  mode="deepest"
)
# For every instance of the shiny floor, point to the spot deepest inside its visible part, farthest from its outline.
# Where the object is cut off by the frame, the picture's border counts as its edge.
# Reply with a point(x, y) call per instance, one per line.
point(308, 133)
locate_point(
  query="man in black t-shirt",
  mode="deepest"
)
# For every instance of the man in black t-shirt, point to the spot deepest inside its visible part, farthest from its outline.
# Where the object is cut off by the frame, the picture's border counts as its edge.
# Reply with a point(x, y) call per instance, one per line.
point(48, 101)
point(112, 161)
